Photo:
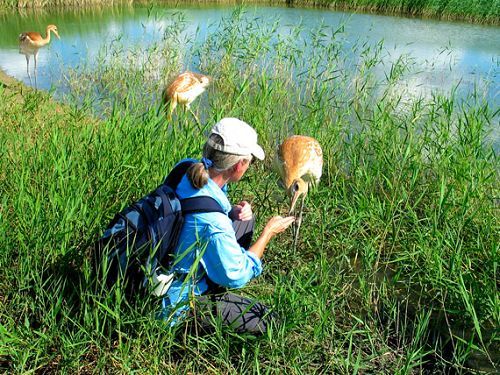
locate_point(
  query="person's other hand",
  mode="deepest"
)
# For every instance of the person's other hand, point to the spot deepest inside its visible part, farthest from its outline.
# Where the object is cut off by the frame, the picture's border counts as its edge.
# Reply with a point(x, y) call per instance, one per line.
point(242, 211)
point(278, 224)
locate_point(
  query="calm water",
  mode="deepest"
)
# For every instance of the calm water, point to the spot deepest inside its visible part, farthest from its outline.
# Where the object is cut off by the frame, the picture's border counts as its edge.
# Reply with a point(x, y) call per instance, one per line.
point(447, 52)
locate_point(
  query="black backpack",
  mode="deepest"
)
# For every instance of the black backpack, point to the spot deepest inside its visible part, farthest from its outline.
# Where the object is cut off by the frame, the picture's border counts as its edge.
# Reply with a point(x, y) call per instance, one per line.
point(142, 237)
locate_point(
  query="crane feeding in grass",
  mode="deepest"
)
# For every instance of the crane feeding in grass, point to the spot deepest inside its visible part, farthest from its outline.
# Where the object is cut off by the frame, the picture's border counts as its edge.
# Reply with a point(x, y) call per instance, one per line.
point(183, 90)
point(30, 42)
point(299, 161)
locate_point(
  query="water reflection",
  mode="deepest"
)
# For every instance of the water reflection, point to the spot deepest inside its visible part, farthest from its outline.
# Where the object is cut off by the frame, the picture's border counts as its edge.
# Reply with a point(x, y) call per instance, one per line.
point(447, 52)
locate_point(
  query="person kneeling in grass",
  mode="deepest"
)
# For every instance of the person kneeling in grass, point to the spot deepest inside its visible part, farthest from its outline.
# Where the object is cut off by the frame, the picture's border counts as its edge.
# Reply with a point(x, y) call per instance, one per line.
point(214, 251)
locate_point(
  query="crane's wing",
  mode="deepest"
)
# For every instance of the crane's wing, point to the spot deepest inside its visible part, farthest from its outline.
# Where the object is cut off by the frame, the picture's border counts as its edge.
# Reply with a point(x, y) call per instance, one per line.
point(30, 36)
point(182, 83)
point(278, 164)
point(314, 154)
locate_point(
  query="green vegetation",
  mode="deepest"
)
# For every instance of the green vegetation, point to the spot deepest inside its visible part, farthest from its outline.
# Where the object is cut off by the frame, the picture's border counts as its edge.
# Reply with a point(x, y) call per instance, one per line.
point(23, 4)
point(397, 268)
point(486, 11)
point(481, 11)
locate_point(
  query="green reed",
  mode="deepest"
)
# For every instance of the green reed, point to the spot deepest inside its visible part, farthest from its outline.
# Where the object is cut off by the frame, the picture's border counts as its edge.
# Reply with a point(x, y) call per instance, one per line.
point(478, 11)
point(396, 269)
point(23, 4)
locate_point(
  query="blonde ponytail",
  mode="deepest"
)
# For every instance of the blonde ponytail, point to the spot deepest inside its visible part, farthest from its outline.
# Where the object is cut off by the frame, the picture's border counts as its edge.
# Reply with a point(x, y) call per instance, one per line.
point(197, 175)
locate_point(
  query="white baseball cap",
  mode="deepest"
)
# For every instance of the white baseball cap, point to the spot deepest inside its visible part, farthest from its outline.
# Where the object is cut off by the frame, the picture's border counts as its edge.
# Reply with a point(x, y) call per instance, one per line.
point(239, 138)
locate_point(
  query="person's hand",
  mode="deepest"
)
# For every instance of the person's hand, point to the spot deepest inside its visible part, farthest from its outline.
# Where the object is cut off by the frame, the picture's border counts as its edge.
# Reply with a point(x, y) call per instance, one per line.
point(242, 211)
point(278, 224)
point(275, 225)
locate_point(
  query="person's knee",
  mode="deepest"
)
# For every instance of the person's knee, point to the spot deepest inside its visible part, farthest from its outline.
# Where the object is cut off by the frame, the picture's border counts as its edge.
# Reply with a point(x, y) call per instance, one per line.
point(244, 232)
point(245, 315)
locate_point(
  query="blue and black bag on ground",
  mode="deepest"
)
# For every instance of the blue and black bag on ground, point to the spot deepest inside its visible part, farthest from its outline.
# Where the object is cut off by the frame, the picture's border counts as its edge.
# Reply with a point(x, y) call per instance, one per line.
point(142, 237)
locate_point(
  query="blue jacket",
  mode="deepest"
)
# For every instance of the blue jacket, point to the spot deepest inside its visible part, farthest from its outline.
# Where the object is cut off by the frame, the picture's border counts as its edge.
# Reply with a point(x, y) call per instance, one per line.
point(207, 248)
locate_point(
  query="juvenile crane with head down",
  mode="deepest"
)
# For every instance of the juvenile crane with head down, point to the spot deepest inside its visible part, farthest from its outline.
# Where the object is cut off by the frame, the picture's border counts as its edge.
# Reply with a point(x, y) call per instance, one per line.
point(299, 161)
point(183, 90)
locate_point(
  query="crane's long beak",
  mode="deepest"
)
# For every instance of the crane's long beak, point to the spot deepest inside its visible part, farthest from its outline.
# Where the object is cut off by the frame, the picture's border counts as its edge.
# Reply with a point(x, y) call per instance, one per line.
point(57, 34)
point(295, 197)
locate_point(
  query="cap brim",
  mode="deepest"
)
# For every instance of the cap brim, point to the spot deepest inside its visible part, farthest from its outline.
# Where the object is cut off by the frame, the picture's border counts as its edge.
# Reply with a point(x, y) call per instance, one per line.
point(258, 152)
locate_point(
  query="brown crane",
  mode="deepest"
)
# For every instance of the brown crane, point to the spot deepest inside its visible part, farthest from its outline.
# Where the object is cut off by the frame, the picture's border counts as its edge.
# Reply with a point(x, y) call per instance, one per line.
point(299, 161)
point(183, 90)
point(30, 42)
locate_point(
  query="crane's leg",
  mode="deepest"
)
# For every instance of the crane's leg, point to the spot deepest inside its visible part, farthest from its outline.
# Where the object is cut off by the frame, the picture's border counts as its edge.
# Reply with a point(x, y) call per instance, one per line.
point(297, 223)
point(171, 107)
point(292, 212)
point(35, 57)
point(196, 118)
point(28, 66)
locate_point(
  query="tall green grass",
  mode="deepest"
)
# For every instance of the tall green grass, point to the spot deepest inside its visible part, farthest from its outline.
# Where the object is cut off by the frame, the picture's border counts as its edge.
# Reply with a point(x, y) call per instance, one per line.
point(476, 10)
point(396, 269)
point(480, 11)
point(23, 4)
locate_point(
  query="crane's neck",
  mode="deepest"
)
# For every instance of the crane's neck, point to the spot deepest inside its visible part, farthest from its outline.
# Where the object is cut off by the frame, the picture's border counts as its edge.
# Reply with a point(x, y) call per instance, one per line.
point(297, 188)
point(289, 180)
point(47, 36)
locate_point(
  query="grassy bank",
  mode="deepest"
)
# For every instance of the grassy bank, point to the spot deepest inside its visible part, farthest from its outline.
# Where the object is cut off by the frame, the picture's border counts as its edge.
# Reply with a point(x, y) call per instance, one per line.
point(396, 270)
point(25, 4)
point(479, 11)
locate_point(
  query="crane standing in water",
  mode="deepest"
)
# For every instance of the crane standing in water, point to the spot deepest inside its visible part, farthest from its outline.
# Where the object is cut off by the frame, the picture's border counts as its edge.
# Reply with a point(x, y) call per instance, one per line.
point(183, 90)
point(299, 161)
point(30, 42)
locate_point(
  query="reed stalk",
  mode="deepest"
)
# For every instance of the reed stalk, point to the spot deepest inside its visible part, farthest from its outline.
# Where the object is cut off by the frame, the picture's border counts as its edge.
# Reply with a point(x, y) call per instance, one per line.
point(477, 11)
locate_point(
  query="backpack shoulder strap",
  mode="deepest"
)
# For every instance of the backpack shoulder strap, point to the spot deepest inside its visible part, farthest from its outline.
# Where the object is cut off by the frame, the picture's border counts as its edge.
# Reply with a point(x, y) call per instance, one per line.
point(200, 204)
point(175, 176)
point(194, 204)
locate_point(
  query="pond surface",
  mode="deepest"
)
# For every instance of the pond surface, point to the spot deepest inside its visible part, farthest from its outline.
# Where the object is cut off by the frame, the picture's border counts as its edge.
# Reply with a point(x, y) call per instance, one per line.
point(449, 53)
